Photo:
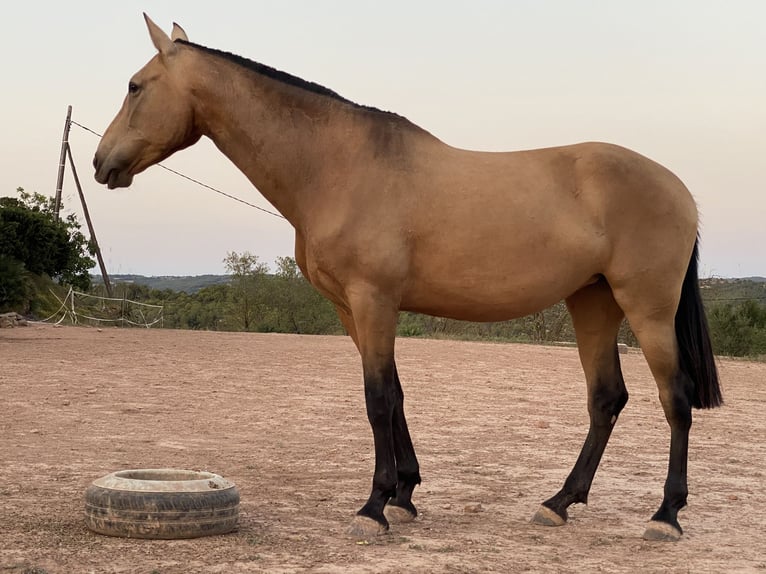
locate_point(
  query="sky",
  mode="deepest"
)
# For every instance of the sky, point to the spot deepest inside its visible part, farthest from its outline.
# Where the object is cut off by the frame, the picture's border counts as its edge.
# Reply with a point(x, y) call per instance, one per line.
point(681, 81)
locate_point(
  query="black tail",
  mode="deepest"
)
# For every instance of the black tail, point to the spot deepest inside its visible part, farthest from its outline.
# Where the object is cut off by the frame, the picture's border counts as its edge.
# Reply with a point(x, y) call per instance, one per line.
point(695, 351)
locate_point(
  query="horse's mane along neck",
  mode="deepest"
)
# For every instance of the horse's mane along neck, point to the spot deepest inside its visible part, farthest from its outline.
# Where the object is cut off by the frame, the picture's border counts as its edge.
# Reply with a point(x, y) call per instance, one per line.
point(291, 80)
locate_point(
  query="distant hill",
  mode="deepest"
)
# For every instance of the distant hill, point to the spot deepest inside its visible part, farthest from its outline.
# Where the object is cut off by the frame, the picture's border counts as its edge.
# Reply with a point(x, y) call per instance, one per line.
point(188, 283)
point(718, 290)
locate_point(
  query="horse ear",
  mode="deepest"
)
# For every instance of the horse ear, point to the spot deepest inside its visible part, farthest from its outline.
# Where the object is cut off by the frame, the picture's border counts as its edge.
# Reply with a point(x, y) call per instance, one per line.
point(178, 33)
point(161, 41)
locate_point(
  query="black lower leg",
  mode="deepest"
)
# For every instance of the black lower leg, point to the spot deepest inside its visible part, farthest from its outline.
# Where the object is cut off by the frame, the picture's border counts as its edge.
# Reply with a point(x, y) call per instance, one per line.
point(407, 467)
point(380, 398)
point(679, 415)
point(605, 403)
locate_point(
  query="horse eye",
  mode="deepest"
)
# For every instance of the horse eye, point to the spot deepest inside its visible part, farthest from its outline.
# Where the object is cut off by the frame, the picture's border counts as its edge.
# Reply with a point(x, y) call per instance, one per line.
point(132, 88)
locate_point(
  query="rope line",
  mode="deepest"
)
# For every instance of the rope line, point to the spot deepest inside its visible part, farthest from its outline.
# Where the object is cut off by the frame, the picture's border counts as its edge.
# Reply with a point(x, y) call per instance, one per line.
point(75, 313)
point(118, 299)
point(191, 179)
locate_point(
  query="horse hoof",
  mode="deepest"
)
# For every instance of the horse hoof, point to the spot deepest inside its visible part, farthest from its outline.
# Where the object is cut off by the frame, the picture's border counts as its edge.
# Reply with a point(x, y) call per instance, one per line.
point(546, 517)
point(397, 514)
point(364, 528)
point(661, 531)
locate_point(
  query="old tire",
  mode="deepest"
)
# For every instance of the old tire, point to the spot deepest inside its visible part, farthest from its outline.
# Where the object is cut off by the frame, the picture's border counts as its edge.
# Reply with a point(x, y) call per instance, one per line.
point(161, 503)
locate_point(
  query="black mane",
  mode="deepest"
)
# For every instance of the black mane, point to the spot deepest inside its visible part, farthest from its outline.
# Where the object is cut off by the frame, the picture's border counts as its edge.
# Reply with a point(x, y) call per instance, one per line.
point(281, 76)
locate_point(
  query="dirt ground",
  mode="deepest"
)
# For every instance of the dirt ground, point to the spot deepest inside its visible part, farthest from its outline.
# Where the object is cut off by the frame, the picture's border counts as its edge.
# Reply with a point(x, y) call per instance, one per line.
point(495, 425)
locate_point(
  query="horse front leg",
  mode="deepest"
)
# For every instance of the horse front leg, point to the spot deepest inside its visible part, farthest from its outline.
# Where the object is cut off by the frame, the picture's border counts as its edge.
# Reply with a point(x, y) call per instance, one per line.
point(374, 324)
point(379, 396)
point(400, 508)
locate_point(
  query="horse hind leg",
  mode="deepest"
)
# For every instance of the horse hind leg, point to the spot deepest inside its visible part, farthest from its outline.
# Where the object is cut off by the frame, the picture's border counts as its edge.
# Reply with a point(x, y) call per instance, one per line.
point(596, 318)
point(673, 334)
point(657, 338)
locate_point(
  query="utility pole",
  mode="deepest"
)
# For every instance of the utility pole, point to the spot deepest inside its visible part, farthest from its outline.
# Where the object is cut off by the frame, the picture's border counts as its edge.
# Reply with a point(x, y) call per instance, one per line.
point(64, 147)
point(66, 152)
point(92, 231)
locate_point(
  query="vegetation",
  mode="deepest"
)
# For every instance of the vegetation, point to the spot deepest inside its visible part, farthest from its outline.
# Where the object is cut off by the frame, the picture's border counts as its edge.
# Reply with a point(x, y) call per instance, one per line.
point(739, 330)
point(246, 289)
point(33, 244)
point(736, 310)
point(250, 298)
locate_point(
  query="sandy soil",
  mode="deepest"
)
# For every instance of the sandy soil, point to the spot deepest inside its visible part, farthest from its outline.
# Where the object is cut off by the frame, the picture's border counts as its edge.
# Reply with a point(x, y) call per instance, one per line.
point(283, 417)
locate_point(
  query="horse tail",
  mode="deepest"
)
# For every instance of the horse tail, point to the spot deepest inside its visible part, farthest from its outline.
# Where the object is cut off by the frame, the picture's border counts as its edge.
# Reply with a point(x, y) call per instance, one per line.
point(696, 358)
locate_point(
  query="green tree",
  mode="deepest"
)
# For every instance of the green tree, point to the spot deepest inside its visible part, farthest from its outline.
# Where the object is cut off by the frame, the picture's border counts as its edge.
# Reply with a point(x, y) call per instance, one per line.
point(30, 235)
point(247, 288)
point(297, 306)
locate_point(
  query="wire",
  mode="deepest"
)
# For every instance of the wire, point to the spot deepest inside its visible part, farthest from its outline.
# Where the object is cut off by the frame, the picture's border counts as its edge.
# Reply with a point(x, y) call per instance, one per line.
point(206, 186)
point(178, 173)
point(85, 128)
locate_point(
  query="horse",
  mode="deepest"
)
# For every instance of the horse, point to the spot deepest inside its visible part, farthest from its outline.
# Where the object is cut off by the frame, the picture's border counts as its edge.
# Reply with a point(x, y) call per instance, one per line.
point(388, 217)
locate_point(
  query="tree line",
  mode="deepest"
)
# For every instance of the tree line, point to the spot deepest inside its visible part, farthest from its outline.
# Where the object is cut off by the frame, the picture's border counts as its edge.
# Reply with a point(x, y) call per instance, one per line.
point(35, 248)
point(254, 299)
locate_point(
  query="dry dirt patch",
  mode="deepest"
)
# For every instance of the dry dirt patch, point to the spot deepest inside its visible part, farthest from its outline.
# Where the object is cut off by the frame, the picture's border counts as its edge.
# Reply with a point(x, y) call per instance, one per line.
point(497, 428)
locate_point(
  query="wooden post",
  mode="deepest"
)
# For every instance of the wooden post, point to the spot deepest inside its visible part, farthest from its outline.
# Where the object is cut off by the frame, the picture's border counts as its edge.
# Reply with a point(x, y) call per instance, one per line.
point(64, 146)
point(92, 232)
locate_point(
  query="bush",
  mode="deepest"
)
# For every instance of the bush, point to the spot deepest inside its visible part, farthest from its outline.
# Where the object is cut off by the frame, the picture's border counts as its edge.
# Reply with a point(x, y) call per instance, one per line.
point(15, 289)
point(738, 330)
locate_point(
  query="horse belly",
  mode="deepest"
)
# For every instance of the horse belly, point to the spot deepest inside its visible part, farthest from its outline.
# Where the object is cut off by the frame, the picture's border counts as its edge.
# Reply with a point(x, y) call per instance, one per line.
point(496, 290)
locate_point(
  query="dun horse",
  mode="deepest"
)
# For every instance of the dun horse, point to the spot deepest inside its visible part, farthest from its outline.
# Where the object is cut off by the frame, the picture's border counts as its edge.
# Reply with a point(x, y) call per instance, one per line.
point(388, 218)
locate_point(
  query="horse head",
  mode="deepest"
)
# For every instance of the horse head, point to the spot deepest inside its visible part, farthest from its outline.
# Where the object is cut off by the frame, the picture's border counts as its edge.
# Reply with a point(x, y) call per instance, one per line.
point(156, 118)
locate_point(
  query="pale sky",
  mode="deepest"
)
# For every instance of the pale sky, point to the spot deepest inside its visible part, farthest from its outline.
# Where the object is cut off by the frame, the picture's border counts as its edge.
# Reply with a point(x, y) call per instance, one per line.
point(683, 82)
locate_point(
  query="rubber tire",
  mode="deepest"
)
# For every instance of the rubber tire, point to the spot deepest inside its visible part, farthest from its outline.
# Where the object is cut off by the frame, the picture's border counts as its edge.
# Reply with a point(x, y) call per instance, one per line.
point(161, 504)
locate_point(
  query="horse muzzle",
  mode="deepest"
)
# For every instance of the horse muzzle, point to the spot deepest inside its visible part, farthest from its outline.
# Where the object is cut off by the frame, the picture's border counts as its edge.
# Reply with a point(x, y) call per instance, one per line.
point(111, 173)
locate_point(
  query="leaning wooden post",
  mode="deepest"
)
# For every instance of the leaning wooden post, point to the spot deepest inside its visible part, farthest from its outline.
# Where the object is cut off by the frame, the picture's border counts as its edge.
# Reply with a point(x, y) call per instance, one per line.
point(64, 145)
point(92, 232)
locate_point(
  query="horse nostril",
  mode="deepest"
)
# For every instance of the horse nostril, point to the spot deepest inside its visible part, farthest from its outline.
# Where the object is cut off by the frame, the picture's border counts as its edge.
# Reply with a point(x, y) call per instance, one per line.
point(95, 162)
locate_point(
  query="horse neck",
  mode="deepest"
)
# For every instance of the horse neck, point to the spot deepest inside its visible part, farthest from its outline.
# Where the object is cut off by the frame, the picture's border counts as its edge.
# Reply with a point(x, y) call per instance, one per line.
point(283, 138)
